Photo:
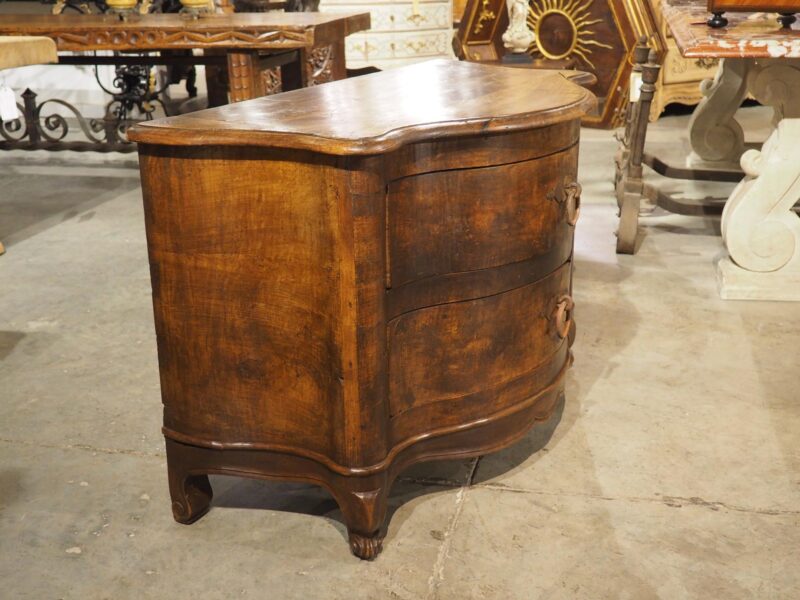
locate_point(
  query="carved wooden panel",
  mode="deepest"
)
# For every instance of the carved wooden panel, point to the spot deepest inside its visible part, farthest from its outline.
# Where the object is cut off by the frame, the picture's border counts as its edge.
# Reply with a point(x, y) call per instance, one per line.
point(479, 31)
point(598, 36)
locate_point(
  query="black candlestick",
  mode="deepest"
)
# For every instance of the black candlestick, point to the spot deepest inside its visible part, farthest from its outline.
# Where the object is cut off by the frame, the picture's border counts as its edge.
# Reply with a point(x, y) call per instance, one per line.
point(717, 20)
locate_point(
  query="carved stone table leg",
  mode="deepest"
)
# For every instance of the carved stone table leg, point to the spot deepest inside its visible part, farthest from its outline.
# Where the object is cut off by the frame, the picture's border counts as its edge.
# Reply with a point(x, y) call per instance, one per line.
point(759, 228)
point(776, 83)
point(714, 134)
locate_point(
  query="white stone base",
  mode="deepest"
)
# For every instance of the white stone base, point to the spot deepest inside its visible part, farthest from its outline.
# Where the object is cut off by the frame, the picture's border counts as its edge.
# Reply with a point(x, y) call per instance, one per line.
point(693, 161)
point(735, 283)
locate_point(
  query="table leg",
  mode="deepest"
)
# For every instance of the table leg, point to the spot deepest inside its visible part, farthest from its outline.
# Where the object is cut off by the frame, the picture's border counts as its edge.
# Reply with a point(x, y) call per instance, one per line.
point(216, 81)
point(319, 65)
point(759, 227)
point(776, 83)
point(245, 80)
point(294, 75)
point(714, 134)
point(327, 63)
point(630, 185)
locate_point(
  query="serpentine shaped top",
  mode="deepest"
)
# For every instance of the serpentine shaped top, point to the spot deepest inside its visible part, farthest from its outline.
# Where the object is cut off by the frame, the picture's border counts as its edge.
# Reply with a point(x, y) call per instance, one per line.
point(379, 113)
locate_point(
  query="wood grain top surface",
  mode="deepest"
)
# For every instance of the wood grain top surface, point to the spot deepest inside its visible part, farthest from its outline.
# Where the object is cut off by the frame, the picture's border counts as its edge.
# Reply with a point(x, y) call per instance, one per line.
point(378, 113)
point(748, 35)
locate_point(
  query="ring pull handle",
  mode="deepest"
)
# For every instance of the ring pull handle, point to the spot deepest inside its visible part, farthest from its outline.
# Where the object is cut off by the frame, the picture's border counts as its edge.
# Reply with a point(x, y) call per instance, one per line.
point(569, 194)
point(572, 200)
point(563, 315)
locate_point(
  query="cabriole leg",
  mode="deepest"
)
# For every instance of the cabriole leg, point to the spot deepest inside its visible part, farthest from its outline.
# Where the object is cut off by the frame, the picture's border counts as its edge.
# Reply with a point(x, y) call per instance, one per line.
point(364, 511)
point(190, 493)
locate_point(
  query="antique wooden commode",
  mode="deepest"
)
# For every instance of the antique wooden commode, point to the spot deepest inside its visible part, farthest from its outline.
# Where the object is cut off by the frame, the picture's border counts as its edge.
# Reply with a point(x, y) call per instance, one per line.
point(355, 277)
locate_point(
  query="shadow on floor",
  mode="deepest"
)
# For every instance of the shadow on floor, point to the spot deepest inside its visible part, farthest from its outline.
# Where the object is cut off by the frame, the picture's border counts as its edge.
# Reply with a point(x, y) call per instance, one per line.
point(58, 199)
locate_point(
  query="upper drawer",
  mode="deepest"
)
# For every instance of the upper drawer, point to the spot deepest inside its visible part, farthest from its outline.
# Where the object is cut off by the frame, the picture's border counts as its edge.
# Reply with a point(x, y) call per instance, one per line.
point(403, 17)
point(470, 219)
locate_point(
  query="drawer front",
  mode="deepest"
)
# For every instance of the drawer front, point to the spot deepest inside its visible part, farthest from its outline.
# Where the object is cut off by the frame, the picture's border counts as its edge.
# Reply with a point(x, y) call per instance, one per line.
point(677, 69)
point(355, 50)
point(469, 359)
point(403, 17)
point(389, 45)
point(472, 219)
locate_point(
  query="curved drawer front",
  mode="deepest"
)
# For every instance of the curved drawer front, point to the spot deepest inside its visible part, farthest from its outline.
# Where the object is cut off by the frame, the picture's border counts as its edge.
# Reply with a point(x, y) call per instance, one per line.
point(455, 362)
point(471, 219)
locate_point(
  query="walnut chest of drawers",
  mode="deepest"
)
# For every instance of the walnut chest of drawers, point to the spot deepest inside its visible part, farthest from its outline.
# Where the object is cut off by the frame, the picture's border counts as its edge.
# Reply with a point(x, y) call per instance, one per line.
point(342, 290)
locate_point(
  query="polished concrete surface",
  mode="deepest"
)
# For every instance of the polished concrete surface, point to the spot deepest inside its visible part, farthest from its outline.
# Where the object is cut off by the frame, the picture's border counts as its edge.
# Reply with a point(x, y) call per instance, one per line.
point(674, 471)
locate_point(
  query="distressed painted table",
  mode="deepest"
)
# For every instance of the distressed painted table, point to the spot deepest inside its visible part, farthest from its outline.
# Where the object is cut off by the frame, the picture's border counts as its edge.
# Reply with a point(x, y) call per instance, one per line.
point(342, 290)
point(760, 229)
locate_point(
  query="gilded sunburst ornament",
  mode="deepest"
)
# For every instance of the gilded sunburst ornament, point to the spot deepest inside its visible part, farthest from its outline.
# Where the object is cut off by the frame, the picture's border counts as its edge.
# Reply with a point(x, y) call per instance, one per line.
point(563, 28)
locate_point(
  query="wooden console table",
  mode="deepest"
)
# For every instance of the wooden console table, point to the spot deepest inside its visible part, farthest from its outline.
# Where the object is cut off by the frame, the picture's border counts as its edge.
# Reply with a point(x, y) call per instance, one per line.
point(342, 290)
point(760, 229)
point(242, 47)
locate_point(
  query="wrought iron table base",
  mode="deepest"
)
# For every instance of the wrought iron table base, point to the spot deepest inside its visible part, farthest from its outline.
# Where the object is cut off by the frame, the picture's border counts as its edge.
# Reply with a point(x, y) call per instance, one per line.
point(37, 130)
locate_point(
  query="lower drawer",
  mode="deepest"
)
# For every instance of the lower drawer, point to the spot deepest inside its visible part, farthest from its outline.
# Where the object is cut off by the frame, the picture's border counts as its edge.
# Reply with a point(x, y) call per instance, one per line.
point(453, 363)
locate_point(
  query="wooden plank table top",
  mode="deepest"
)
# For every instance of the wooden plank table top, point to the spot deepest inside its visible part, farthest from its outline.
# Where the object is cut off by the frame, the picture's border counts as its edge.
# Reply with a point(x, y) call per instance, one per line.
point(254, 31)
point(748, 35)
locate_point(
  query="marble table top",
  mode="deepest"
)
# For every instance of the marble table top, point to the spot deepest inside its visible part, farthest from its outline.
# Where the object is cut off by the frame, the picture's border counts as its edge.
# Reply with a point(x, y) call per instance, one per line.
point(748, 35)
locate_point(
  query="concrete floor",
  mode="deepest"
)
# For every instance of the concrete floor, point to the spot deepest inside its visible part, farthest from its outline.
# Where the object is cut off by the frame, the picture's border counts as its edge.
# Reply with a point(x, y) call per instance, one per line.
point(674, 471)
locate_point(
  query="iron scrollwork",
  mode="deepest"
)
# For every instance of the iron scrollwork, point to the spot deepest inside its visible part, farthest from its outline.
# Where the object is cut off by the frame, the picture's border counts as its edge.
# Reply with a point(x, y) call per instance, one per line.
point(44, 126)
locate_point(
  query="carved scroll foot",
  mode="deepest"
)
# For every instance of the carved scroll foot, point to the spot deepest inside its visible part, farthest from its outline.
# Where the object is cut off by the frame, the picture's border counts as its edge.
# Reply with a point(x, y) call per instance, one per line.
point(364, 511)
point(714, 134)
point(191, 498)
point(366, 548)
point(191, 494)
point(760, 230)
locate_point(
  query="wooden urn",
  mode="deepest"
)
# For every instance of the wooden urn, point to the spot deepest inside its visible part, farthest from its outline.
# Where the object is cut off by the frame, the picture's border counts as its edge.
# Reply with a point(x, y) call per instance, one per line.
point(355, 277)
